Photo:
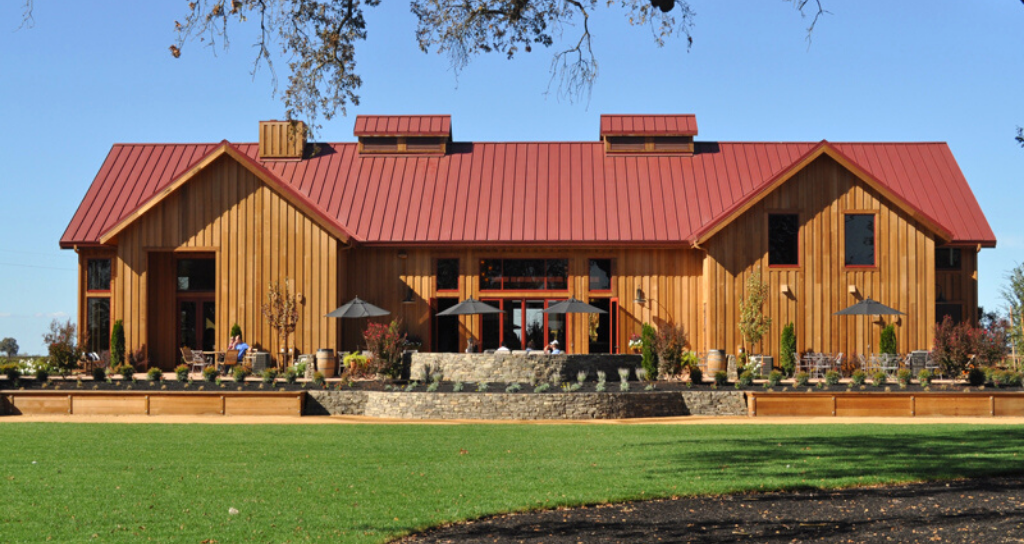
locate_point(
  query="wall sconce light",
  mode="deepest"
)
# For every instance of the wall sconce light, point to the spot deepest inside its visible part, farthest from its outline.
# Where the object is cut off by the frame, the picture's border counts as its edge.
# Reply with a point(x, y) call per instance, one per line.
point(854, 291)
point(410, 296)
point(786, 290)
point(640, 297)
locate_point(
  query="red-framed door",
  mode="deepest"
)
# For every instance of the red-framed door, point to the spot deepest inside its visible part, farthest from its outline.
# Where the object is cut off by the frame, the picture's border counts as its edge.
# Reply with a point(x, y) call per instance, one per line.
point(197, 326)
point(522, 323)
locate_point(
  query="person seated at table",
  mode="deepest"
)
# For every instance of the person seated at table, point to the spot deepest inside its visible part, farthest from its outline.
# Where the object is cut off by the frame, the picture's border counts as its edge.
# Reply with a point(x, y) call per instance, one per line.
point(233, 342)
point(530, 346)
point(552, 348)
point(503, 349)
point(242, 347)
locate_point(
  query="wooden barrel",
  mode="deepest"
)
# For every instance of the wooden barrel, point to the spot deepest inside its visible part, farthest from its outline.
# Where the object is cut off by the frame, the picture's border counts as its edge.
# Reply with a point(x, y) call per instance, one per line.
point(716, 361)
point(326, 363)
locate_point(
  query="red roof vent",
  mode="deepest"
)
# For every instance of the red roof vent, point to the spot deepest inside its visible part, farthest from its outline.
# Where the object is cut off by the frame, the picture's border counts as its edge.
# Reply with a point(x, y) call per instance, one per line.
point(658, 134)
point(412, 134)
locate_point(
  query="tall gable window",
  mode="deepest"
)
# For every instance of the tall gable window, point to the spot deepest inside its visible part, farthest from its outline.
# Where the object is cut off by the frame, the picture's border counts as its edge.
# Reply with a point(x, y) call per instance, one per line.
point(860, 239)
point(947, 258)
point(783, 239)
point(98, 274)
point(97, 305)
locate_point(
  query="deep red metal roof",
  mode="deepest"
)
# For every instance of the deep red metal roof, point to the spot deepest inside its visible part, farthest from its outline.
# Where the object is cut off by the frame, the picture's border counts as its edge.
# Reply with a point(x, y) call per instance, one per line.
point(649, 125)
point(542, 193)
point(403, 125)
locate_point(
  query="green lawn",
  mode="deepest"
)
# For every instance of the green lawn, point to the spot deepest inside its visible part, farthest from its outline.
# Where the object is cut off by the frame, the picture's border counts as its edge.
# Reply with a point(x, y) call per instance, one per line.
point(363, 483)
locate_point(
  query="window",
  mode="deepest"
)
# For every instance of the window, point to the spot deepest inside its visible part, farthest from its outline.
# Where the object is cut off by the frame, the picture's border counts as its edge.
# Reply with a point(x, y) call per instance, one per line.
point(97, 319)
point(447, 274)
point(954, 311)
point(196, 275)
point(860, 239)
point(98, 274)
point(947, 258)
point(600, 274)
point(524, 274)
point(784, 239)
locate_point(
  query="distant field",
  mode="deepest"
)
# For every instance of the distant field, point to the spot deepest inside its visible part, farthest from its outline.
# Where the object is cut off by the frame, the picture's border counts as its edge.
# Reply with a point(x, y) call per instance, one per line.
point(364, 483)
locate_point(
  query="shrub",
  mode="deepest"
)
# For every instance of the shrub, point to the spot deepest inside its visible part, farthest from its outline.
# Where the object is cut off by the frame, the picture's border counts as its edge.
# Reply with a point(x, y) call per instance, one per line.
point(601, 387)
point(126, 371)
point(879, 378)
point(269, 375)
point(210, 373)
point(721, 377)
point(117, 343)
point(318, 378)
point(858, 377)
point(925, 378)
point(239, 373)
point(832, 377)
point(787, 349)
point(61, 345)
point(357, 366)
point(235, 330)
point(996, 377)
point(602, 376)
point(774, 377)
point(688, 359)
point(458, 387)
point(623, 386)
point(696, 374)
point(513, 388)
point(42, 373)
point(484, 386)
point(648, 354)
point(99, 374)
point(623, 374)
point(641, 373)
point(1014, 378)
point(181, 372)
point(887, 342)
point(433, 386)
point(12, 370)
point(539, 389)
point(903, 377)
point(581, 376)
point(746, 379)
point(291, 375)
point(154, 374)
point(975, 377)
point(669, 343)
point(386, 343)
point(801, 379)
point(411, 386)
point(956, 342)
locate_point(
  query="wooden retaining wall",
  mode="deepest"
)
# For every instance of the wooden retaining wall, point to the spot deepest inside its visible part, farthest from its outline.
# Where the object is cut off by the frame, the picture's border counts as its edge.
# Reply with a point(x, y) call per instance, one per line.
point(856, 404)
point(152, 403)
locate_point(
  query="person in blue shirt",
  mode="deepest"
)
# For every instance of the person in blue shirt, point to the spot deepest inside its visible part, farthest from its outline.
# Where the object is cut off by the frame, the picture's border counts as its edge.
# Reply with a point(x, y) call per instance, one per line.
point(242, 347)
point(552, 348)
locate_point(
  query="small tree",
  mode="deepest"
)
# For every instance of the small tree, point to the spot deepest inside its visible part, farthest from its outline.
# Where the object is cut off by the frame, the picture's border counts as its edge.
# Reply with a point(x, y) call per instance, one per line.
point(62, 346)
point(753, 323)
point(887, 343)
point(282, 313)
point(787, 349)
point(1013, 294)
point(117, 344)
point(9, 346)
point(235, 330)
point(670, 342)
point(647, 351)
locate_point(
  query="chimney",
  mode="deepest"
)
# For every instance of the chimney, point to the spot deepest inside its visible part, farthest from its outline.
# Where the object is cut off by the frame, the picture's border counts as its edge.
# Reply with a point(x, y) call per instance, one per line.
point(282, 140)
point(649, 134)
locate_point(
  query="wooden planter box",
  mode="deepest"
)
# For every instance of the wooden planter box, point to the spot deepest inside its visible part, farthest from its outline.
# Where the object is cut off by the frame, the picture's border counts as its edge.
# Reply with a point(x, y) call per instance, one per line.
point(878, 404)
point(73, 402)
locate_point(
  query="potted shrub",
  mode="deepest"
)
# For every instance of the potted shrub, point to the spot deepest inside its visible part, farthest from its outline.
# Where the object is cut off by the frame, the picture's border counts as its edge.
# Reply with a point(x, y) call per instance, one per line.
point(754, 324)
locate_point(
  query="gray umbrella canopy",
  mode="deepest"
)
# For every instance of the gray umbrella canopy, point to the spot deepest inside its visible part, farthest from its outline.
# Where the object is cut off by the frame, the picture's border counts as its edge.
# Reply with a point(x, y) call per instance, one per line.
point(573, 306)
point(470, 306)
point(869, 307)
point(357, 308)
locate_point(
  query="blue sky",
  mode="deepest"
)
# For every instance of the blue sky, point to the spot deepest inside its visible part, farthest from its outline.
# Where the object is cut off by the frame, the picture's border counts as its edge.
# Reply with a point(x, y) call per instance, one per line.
point(90, 74)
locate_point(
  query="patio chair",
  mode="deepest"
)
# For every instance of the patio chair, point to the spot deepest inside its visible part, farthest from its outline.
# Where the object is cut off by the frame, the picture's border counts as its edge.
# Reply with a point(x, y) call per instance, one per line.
point(889, 363)
point(230, 360)
point(194, 359)
point(933, 366)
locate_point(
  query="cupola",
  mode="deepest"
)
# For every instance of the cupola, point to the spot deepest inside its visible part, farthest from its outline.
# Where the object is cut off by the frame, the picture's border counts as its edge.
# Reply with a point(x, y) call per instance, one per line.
point(403, 134)
point(649, 134)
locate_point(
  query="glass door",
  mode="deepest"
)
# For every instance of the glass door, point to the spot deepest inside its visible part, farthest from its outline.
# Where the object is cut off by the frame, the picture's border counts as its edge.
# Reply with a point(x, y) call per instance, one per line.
point(446, 327)
point(197, 324)
point(604, 327)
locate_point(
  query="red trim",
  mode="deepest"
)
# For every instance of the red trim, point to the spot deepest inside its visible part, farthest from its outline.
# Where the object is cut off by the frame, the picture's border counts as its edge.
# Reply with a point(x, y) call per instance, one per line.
point(799, 242)
point(874, 226)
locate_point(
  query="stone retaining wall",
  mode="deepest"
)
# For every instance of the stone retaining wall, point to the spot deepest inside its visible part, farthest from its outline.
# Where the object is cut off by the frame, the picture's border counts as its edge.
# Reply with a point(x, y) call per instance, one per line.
point(516, 366)
point(467, 405)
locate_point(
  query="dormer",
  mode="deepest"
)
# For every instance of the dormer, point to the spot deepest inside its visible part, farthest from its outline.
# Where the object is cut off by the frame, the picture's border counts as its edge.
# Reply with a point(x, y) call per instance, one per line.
point(403, 134)
point(648, 134)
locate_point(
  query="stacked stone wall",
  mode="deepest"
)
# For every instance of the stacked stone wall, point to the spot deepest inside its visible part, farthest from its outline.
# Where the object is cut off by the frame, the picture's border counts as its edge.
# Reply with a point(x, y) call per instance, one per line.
point(516, 366)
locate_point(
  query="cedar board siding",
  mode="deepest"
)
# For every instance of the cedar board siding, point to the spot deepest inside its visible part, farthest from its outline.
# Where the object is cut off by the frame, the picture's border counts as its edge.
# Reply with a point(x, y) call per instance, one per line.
point(669, 278)
point(256, 237)
point(904, 277)
point(961, 286)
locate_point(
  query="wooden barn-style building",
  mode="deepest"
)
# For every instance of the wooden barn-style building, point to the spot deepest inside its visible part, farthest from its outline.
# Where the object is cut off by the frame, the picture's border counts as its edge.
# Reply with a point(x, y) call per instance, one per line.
point(180, 241)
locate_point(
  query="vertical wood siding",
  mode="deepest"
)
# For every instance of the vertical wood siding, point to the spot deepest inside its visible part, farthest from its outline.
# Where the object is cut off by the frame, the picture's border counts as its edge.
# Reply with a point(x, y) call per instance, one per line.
point(822, 193)
point(256, 238)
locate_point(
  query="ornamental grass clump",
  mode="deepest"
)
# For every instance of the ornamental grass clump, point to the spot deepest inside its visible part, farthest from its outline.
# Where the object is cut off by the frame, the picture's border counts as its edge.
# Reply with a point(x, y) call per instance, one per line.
point(433, 386)
point(154, 374)
point(181, 372)
point(774, 377)
point(623, 374)
point(13, 372)
point(319, 379)
point(858, 377)
point(925, 378)
point(513, 388)
point(696, 375)
point(542, 388)
point(99, 374)
point(412, 386)
point(641, 373)
point(903, 377)
point(42, 374)
point(832, 377)
point(210, 373)
point(458, 387)
point(721, 378)
point(582, 376)
point(240, 373)
point(623, 386)
point(291, 375)
point(746, 379)
point(556, 379)
point(483, 387)
point(601, 387)
point(801, 379)
point(269, 375)
point(879, 378)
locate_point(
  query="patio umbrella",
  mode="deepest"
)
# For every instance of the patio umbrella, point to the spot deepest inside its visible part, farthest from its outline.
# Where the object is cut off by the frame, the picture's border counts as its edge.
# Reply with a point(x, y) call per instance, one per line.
point(573, 306)
point(869, 307)
point(356, 308)
point(470, 306)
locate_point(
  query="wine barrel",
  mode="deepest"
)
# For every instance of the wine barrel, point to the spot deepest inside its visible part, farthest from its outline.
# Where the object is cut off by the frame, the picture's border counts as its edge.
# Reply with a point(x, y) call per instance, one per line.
point(326, 363)
point(716, 361)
